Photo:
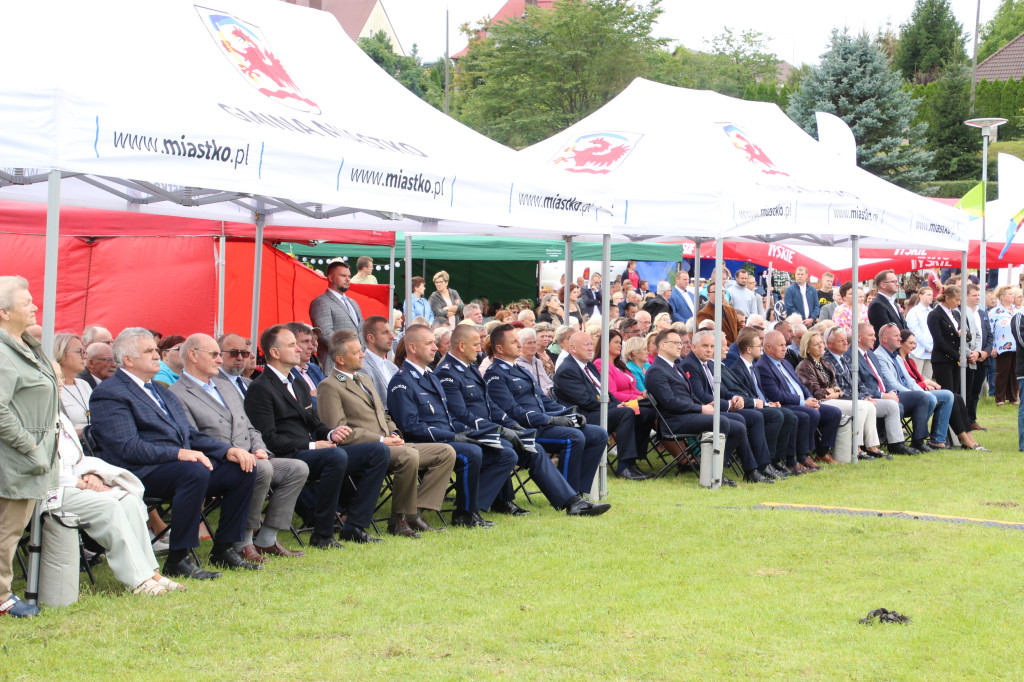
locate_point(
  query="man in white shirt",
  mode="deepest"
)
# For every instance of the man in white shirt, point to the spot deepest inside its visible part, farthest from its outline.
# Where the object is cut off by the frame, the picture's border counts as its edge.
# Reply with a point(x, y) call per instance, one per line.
point(743, 299)
point(378, 337)
point(683, 305)
point(917, 322)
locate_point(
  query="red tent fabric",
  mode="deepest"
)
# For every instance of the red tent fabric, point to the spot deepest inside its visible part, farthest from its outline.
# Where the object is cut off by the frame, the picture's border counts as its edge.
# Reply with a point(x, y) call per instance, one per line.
point(779, 256)
point(286, 290)
point(169, 283)
point(908, 260)
point(19, 217)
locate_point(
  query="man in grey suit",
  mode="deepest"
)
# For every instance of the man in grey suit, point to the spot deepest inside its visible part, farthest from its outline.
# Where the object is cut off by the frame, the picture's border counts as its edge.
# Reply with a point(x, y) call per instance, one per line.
point(214, 407)
point(234, 353)
point(377, 339)
point(333, 310)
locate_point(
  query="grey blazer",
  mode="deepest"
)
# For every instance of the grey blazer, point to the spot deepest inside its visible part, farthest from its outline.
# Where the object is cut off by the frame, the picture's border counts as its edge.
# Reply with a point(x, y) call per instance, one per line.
point(229, 424)
point(331, 315)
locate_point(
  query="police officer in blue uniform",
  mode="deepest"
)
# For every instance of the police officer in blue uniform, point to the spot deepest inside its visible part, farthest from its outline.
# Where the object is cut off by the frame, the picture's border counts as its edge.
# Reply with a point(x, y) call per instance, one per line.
point(469, 403)
point(514, 390)
point(417, 404)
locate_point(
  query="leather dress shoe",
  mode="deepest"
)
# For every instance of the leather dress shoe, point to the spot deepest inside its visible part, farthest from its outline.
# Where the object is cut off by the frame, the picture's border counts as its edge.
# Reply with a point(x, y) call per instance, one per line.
point(776, 471)
point(356, 535)
point(402, 528)
point(921, 446)
point(229, 558)
point(826, 458)
point(632, 473)
point(467, 519)
point(508, 507)
point(418, 523)
point(755, 476)
point(810, 465)
point(767, 474)
point(975, 426)
point(250, 554)
point(482, 521)
point(324, 542)
point(796, 470)
point(186, 568)
point(577, 506)
point(277, 549)
point(902, 449)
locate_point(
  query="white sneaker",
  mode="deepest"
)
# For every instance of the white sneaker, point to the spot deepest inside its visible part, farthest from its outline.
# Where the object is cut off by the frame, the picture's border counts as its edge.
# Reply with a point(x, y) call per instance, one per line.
point(161, 545)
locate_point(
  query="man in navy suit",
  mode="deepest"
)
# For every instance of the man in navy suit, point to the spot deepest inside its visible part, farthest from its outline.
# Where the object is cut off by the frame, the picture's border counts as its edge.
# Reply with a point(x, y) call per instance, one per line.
point(577, 382)
point(281, 409)
point(673, 392)
point(699, 364)
point(142, 427)
point(780, 384)
point(469, 403)
point(681, 301)
point(418, 405)
point(309, 372)
point(780, 425)
point(801, 298)
point(516, 392)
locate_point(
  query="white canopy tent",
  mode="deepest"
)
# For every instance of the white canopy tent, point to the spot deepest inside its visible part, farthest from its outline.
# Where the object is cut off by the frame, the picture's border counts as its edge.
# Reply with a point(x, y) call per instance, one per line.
point(252, 111)
point(687, 163)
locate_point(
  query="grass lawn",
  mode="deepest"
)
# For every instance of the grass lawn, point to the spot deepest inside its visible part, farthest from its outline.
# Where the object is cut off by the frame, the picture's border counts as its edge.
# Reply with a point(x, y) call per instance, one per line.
point(676, 582)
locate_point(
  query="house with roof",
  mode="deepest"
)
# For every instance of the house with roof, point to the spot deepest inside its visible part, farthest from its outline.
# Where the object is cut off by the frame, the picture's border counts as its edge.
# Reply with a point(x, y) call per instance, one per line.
point(513, 9)
point(1005, 63)
point(359, 18)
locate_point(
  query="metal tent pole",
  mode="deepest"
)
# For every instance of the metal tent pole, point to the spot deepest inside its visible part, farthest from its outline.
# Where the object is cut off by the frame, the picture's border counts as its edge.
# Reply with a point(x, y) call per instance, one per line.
point(606, 258)
point(221, 264)
point(855, 345)
point(716, 480)
point(408, 272)
point(391, 288)
point(568, 279)
point(50, 261)
point(855, 436)
point(257, 277)
point(963, 321)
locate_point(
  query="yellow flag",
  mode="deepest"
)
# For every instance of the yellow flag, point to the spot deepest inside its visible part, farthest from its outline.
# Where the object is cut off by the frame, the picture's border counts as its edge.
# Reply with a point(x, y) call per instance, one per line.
point(974, 201)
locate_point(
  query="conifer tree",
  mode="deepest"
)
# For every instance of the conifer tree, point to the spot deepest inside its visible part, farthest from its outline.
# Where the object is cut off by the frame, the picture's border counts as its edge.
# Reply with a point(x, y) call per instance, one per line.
point(856, 82)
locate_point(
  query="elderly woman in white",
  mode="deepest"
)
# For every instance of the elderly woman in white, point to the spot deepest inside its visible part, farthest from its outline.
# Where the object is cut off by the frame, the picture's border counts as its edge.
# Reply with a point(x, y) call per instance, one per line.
point(110, 500)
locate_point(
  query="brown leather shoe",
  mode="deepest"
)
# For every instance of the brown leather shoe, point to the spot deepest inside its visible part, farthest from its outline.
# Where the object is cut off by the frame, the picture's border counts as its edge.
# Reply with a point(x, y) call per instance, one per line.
point(420, 524)
point(250, 554)
point(402, 529)
point(811, 466)
point(826, 458)
point(277, 549)
point(977, 427)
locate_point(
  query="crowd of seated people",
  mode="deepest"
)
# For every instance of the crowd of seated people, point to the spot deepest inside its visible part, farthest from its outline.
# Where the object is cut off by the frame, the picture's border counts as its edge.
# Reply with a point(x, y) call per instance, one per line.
point(314, 417)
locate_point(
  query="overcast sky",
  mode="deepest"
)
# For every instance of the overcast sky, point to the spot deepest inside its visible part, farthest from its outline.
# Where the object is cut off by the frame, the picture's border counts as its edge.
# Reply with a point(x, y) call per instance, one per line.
point(799, 29)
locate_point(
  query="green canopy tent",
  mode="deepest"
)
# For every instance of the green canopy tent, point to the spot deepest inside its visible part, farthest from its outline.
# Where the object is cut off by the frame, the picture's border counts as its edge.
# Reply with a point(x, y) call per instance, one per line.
point(470, 259)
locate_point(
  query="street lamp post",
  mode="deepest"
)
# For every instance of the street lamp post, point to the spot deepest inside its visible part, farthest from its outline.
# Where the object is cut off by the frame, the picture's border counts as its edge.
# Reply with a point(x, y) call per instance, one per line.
point(987, 125)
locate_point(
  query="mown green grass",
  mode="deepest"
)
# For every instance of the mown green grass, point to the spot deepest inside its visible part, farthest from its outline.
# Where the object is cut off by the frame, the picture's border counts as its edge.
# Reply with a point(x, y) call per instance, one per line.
point(676, 582)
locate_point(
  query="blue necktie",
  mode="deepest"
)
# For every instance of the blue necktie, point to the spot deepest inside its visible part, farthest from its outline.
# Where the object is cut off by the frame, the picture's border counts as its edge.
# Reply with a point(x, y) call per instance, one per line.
point(757, 386)
point(241, 384)
point(789, 380)
point(159, 401)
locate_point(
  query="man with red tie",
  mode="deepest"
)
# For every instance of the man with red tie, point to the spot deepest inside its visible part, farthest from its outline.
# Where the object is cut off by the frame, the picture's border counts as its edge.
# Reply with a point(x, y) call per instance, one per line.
point(871, 379)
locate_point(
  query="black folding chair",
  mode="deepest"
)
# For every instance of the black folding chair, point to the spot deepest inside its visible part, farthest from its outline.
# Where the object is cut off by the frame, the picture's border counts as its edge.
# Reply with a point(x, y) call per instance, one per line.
point(676, 449)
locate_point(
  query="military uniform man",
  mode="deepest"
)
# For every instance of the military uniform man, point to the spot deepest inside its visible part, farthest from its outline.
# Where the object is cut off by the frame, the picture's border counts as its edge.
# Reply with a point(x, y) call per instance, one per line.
point(468, 401)
point(515, 391)
point(417, 404)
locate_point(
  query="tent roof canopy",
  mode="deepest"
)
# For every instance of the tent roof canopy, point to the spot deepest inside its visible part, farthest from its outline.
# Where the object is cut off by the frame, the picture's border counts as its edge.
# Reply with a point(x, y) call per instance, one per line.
point(282, 116)
point(699, 164)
